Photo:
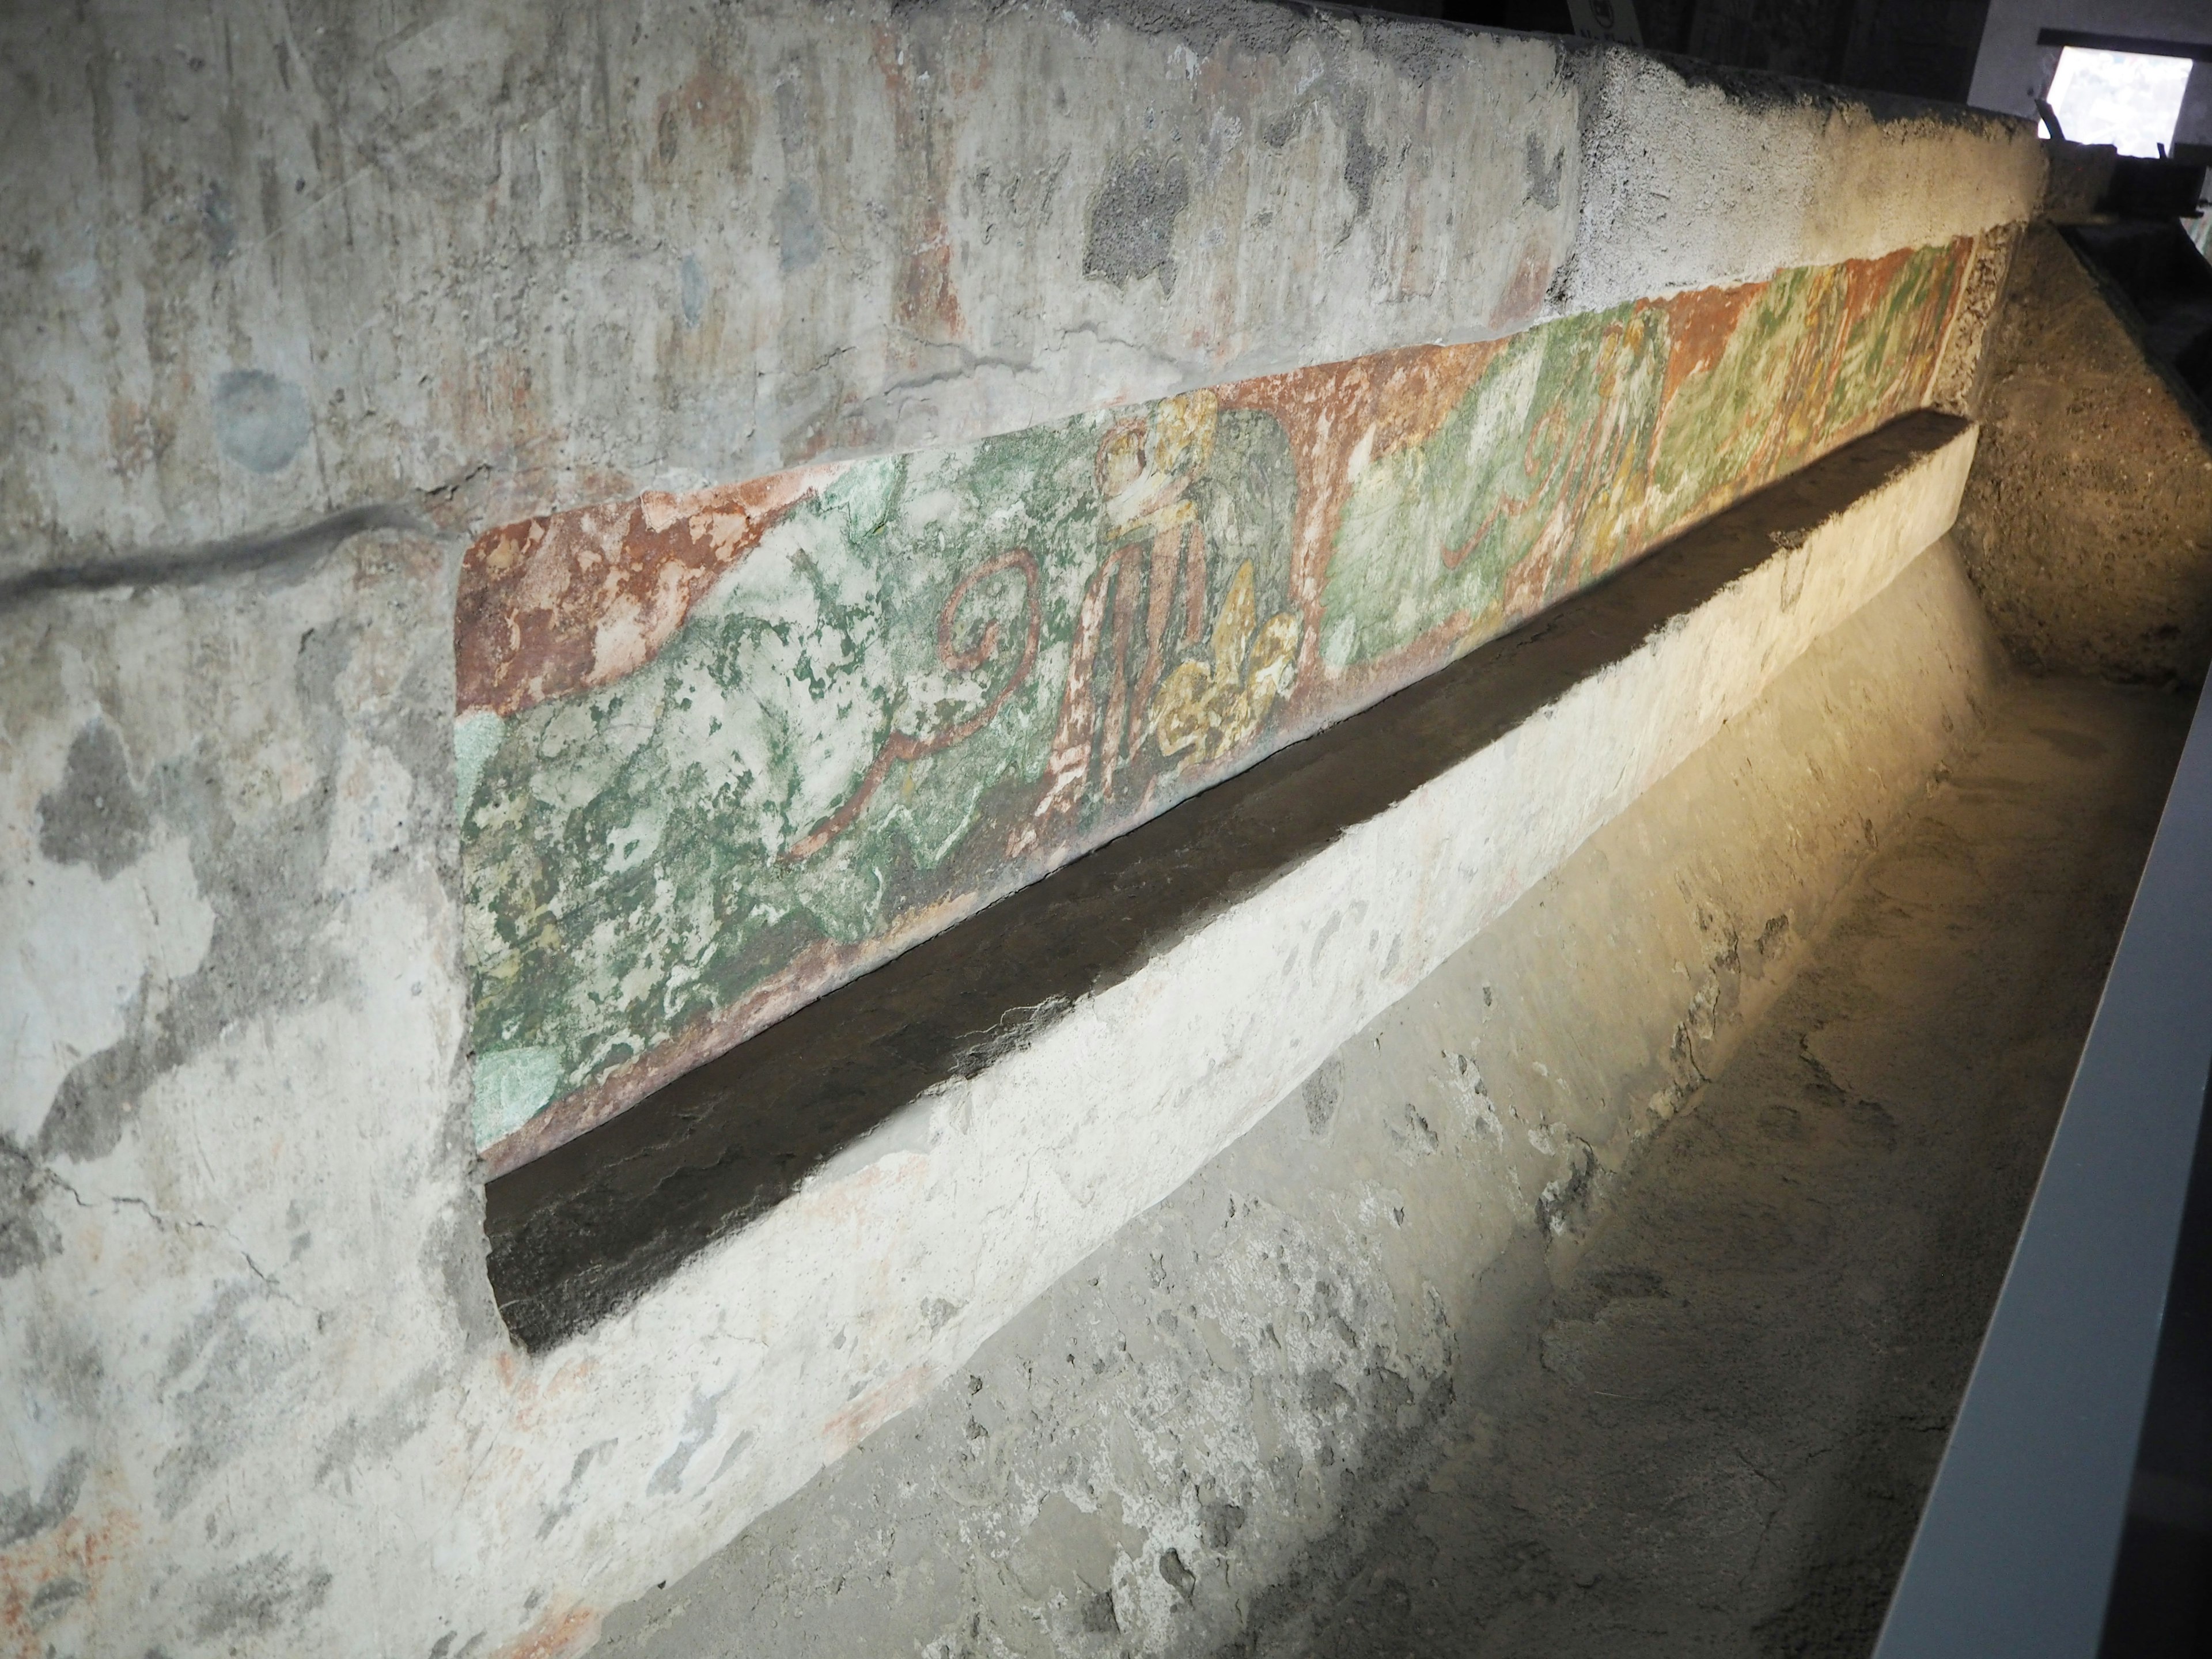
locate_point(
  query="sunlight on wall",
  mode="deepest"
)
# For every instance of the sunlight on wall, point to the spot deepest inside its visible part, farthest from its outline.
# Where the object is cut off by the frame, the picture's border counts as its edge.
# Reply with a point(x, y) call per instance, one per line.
point(2127, 99)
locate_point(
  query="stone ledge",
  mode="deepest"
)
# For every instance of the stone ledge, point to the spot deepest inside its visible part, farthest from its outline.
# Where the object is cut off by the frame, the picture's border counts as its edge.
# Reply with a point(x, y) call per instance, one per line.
point(990, 1106)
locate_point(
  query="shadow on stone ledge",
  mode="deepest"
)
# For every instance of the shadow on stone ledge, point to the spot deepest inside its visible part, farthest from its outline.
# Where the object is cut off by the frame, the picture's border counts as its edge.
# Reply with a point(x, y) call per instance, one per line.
point(580, 1233)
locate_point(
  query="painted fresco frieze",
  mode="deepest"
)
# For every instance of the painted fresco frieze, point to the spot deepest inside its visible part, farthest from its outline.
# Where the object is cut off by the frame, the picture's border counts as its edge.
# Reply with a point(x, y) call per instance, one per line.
point(719, 752)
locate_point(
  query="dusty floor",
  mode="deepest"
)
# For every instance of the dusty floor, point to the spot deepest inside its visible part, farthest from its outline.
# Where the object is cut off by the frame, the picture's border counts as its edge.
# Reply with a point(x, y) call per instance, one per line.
point(1717, 1439)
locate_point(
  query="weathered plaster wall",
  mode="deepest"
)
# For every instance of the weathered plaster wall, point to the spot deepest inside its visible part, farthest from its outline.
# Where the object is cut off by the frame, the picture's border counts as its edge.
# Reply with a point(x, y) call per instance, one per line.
point(1191, 1426)
point(722, 752)
point(298, 302)
point(268, 262)
point(2088, 523)
point(265, 1403)
point(239, 1246)
point(533, 259)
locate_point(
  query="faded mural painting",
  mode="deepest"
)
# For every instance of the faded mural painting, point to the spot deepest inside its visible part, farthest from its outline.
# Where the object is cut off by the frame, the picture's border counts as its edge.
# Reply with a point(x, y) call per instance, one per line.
point(720, 752)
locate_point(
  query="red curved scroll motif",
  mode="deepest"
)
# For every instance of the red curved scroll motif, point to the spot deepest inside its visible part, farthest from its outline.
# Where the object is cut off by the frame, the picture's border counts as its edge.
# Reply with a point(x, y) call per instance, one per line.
point(902, 746)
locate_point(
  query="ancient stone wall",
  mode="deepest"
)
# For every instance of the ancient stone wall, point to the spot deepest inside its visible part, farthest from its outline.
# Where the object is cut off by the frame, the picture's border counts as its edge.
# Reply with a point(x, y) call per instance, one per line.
point(960, 323)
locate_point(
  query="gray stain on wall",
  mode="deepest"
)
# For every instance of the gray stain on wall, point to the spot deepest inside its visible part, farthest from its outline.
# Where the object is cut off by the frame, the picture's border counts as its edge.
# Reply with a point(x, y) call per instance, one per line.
point(220, 219)
point(261, 944)
point(27, 1238)
point(94, 816)
point(691, 290)
point(260, 422)
point(269, 948)
point(255, 1596)
point(25, 1514)
point(698, 1429)
point(1362, 161)
point(1544, 176)
point(1133, 220)
point(798, 231)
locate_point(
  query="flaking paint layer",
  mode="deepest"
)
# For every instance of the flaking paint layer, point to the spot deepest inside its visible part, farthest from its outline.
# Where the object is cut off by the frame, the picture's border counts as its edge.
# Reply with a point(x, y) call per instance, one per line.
point(721, 753)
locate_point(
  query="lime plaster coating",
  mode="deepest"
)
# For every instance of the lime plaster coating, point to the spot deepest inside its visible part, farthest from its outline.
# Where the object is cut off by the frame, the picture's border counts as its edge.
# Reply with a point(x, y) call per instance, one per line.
point(486, 259)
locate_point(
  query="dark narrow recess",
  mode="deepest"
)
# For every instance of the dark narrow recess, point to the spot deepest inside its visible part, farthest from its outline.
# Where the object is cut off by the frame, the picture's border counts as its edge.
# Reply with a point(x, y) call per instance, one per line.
point(2164, 292)
point(2161, 1596)
point(579, 1233)
point(2094, 40)
point(1918, 49)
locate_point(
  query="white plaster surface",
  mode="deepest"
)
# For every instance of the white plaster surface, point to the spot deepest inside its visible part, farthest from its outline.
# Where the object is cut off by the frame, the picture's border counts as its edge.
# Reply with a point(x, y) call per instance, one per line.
point(1684, 185)
point(262, 1404)
point(483, 258)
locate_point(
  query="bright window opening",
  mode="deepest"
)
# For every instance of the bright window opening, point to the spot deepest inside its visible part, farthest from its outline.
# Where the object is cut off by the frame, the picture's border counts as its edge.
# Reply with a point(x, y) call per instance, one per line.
point(2127, 99)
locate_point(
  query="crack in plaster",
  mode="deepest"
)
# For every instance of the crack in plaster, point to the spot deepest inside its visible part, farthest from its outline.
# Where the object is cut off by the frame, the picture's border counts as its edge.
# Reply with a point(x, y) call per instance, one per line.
point(165, 1223)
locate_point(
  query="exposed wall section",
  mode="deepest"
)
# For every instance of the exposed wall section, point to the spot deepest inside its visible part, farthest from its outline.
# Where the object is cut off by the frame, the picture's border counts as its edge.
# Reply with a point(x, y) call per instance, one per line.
point(2088, 523)
point(271, 262)
point(265, 1406)
point(1052, 972)
point(300, 301)
point(240, 1258)
point(721, 753)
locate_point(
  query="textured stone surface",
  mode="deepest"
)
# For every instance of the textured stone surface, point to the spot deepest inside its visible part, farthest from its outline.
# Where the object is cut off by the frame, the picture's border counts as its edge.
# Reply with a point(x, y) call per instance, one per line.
point(1717, 1437)
point(265, 1402)
point(510, 259)
point(1201, 1437)
point(2087, 523)
point(721, 753)
point(240, 1266)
